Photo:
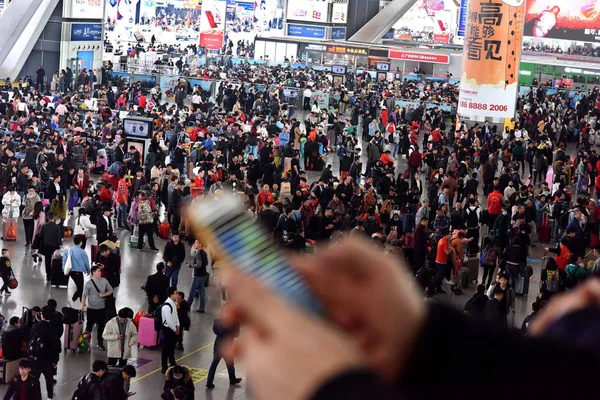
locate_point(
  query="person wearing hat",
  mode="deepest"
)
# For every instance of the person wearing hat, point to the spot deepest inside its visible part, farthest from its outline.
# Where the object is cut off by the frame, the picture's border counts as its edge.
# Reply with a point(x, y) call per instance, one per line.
point(120, 335)
point(24, 385)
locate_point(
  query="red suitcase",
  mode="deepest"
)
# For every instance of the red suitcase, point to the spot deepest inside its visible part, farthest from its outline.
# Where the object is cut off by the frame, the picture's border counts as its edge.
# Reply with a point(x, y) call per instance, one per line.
point(72, 333)
point(164, 230)
point(147, 336)
point(545, 230)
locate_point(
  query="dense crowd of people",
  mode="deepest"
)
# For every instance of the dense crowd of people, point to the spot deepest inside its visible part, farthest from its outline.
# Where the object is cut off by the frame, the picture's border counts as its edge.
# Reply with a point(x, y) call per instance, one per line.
point(446, 197)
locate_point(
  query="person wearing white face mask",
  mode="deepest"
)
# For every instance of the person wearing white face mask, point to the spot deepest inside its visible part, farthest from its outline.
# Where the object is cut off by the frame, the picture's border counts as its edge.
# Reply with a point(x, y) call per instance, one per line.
point(178, 376)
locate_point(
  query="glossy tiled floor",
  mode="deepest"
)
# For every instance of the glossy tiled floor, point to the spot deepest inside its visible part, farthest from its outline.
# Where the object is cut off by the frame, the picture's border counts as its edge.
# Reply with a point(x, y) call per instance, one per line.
point(33, 290)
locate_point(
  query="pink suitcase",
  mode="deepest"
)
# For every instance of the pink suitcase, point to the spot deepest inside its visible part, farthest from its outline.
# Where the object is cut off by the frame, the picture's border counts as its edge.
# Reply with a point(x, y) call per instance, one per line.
point(71, 335)
point(147, 336)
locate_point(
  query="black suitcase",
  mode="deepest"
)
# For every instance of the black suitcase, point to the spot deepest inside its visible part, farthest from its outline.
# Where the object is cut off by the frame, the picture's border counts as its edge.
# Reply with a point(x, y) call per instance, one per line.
point(58, 277)
point(70, 315)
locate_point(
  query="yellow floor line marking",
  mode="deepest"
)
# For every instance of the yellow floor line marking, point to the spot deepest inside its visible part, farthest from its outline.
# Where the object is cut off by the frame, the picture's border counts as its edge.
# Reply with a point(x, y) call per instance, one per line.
point(179, 359)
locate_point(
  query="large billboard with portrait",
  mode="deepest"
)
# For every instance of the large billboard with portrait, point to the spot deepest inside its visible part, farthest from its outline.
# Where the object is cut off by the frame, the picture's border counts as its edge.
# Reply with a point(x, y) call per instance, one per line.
point(560, 19)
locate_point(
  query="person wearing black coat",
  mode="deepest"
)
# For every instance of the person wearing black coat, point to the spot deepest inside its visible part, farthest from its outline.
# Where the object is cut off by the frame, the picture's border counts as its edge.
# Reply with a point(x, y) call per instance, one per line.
point(12, 337)
point(475, 307)
point(178, 376)
point(50, 354)
point(494, 311)
point(24, 381)
point(50, 241)
point(156, 287)
point(114, 382)
point(225, 334)
point(183, 313)
point(104, 226)
point(174, 256)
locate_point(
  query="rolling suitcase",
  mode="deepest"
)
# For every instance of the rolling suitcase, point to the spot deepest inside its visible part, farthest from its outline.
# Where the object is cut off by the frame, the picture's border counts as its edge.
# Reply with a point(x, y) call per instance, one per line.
point(463, 278)
point(72, 333)
point(473, 266)
point(58, 277)
point(8, 369)
point(545, 230)
point(9, 230)
point(147, 336)
point(522, 285)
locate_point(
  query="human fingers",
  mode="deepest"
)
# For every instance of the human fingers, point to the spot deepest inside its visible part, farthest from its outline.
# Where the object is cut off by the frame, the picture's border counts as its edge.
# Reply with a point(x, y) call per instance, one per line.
point(585, 295)
point(253, 303)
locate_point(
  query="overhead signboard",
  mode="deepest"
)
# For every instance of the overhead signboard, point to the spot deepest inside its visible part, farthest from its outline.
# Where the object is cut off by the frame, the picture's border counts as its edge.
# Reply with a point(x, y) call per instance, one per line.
point(212, 23)
point(491, 57)
point(86, 32)
point(306, 31)
point(87, 9)
point(339, 13)
point(338, 33)
point(347, 50)
point(569, 20)
point(419, 57)
point(462, 17)
point(307, 10)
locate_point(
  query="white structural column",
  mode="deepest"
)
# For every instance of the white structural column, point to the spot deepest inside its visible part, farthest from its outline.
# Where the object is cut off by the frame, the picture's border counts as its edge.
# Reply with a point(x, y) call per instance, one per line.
point(379, 25)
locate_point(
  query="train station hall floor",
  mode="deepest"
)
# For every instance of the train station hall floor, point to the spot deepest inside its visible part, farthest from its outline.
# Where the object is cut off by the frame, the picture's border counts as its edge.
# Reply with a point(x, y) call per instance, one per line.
point(136, 266)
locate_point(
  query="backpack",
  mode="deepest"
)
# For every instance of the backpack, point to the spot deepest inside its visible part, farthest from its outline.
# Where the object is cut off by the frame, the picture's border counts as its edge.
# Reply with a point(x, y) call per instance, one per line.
point(572, 280)
point(145, 215)
point(489, 256)
point(157, 316)
point(472, 218)
point(370, 225)
point(83, 390)
point(552, 281)
point(36, 347)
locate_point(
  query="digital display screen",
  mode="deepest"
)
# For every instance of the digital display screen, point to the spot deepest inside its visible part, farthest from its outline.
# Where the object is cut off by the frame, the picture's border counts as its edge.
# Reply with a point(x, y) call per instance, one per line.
point(382, 66)
point(138, 128)
point(338, 69)
point(554, 19)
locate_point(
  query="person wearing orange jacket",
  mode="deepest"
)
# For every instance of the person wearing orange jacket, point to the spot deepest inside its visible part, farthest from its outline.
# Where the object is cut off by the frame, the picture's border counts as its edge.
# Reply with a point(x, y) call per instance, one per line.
point(386, 159)
point(123, 202)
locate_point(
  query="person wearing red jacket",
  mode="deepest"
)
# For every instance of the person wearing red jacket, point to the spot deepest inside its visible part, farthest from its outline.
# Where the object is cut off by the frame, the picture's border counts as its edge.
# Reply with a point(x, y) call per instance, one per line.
point(384, 116)
point(494, 205)
point(415, 160)
point(122, 202)
point(386, 159)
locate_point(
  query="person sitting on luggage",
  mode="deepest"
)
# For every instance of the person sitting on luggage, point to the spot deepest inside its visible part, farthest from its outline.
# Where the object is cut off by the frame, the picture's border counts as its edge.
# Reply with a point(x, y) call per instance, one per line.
point(178, 376)
point(12, 340)
point(116, 382)
point(24, 385)
point(120, 335)
point(5, 271)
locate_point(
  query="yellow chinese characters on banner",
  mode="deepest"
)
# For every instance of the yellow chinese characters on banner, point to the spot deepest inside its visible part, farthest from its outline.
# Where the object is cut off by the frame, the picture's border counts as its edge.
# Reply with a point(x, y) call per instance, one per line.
point(492, 53)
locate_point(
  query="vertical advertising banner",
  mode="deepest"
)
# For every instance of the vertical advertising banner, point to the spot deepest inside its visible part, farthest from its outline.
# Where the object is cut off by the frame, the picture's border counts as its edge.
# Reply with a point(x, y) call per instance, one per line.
point(492, 52)
point(212, 23)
